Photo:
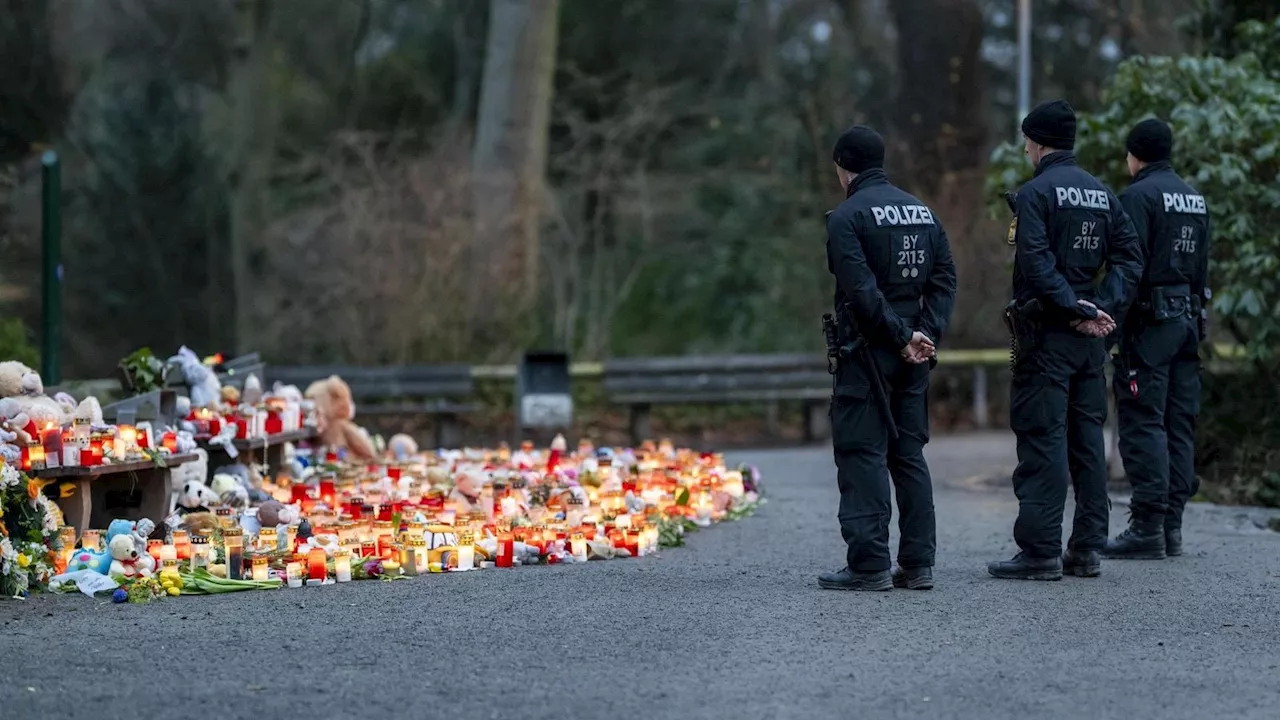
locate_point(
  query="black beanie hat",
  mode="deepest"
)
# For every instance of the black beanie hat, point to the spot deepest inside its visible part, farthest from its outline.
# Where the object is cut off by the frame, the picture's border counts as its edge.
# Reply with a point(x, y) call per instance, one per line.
point(859, 148)
point(1052, 124)
point(1150, 141)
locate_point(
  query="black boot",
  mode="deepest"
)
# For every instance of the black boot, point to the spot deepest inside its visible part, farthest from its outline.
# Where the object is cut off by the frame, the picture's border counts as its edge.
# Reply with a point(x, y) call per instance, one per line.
point(847, 579)
point(917, 578)
point(1022, 567)
point(1082, 563)
point(1142, 540)
point(1172, 541)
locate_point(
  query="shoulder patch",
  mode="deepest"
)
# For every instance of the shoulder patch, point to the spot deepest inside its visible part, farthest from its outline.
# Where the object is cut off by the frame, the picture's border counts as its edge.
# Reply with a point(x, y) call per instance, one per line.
point(1013, 230)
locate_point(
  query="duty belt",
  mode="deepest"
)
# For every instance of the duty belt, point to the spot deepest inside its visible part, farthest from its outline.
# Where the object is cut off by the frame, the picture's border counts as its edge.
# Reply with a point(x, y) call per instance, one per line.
point(1169, 302)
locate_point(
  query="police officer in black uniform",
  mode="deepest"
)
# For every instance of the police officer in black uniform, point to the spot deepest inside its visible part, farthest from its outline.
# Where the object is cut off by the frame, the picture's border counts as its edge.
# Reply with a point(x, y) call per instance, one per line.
point(1157, 371)
point(895, 289)
point(1068, 227)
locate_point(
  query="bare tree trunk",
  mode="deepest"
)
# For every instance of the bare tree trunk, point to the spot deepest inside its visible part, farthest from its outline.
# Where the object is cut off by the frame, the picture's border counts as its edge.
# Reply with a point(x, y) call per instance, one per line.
point(940, 120)
point(510, 152)
point(252, 150)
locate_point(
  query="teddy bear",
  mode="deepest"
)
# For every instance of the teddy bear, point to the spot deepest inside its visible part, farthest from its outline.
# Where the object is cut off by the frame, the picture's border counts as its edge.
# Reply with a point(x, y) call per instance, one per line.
point(22, 391)
point(335, 411)
point(274, 513)
point(195, 497)
point(202, 383)
point(138, 532)
point(125, 559)
point(402, 447)
point(196, 470)
point(229, 490)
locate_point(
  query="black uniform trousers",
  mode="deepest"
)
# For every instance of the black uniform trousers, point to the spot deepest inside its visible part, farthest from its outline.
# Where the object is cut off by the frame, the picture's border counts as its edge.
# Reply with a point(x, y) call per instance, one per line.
point(867, 458)
point(1157, 387)
point(1058, 407)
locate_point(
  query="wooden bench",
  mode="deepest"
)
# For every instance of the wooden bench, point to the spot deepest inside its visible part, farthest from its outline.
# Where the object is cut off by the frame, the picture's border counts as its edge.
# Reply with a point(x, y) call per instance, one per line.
point(641, 383)
point(440, 391)
point(103, 493)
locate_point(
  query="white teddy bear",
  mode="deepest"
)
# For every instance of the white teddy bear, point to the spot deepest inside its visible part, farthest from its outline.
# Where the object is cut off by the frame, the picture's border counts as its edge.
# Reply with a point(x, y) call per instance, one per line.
point(201, 381)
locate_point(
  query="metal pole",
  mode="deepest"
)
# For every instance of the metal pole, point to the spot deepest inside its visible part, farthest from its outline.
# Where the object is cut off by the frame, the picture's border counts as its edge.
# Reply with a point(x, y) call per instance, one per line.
point(1024, 61)
point(51, 285)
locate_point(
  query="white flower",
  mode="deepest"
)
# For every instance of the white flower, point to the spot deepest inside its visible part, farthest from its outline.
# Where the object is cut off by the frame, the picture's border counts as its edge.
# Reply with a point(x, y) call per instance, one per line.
point(50, 521)
point(8, 476)
point(8, 557)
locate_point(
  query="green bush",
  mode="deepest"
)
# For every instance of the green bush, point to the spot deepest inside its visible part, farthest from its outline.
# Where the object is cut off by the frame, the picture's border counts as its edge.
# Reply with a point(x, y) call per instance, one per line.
point(15, 344)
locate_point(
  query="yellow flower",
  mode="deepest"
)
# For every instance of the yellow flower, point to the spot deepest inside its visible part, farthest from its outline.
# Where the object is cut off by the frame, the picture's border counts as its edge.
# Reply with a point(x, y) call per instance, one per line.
point(23, 560)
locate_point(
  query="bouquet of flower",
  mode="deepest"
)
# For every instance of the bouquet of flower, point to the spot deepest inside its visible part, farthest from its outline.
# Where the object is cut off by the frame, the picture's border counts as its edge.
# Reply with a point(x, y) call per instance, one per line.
point(28, 534)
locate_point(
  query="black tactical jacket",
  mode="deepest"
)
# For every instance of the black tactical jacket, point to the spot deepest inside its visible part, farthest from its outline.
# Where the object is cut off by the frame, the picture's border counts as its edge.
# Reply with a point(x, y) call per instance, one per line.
point(892, 262)
point(1068, 227)
point(1172, 222)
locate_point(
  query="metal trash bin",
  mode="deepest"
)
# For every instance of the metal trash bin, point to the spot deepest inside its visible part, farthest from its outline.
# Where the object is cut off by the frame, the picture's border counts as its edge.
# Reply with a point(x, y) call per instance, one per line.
point(543, 393)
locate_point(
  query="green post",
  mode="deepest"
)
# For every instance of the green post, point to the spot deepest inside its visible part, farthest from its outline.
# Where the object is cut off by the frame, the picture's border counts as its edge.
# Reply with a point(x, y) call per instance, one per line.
point(51, 285)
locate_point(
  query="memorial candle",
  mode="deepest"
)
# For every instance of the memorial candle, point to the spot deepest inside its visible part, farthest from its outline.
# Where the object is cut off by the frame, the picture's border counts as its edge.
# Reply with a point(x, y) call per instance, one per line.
point(506, 549)
point(182, 543)
point(260, 568)
point(199, 552)
point(316, 568)
point(466, 550)
point(578, 546)
point(233, 543)
point(91, 540)
point(153, 549)
point(342, 566)
point(268, 539)
point(294, 573)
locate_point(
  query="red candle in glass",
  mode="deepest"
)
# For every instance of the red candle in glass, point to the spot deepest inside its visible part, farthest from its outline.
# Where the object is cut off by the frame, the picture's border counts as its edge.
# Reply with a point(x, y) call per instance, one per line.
point(316, 569)
point(144, 438)
point(274, 424)
point(26, 459)
point(153, 549)
point(298, 494)
point(170, 442)
point(368, 549)
point(506, 550)
point(327, 492)
point(393, 473)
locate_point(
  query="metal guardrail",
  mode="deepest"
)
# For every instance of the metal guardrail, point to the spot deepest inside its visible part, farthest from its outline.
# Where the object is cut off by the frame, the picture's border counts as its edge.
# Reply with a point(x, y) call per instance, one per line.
point(980, 360)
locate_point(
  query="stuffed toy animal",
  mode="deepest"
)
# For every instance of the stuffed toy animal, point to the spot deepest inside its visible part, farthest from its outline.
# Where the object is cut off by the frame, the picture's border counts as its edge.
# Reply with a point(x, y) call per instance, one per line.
point(252, 394)
point(138, 532)
point(273, 513)
point(229, 490)
point(23, 391)
point(230, 395)
point(287, 392)
point(402, 447)
point(201, 381)
point(98, 561)
point(9, 452)
point(200, 523)
point(196, 470)
point(336, 410)
point(125, 559)
point(195, 497)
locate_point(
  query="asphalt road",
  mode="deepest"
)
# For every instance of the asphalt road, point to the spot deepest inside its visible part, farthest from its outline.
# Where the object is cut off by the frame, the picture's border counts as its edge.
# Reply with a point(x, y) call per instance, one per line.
point(731, 626)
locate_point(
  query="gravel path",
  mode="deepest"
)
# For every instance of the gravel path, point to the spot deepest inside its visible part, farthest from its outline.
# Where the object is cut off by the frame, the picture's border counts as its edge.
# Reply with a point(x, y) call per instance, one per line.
point(731, 626)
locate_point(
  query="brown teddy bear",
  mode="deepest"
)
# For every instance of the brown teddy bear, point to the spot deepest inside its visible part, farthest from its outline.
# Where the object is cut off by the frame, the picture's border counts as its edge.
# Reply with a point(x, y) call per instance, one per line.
point(335, 412)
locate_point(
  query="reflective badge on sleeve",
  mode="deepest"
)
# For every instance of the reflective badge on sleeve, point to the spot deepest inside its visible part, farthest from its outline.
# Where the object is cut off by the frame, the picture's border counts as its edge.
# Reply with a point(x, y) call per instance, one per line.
point(1013, 230)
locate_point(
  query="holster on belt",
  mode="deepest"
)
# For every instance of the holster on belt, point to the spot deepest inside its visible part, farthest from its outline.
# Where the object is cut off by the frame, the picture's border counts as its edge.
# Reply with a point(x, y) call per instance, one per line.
point(1025, 322)
point(859, 352)
point(1166, 303)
